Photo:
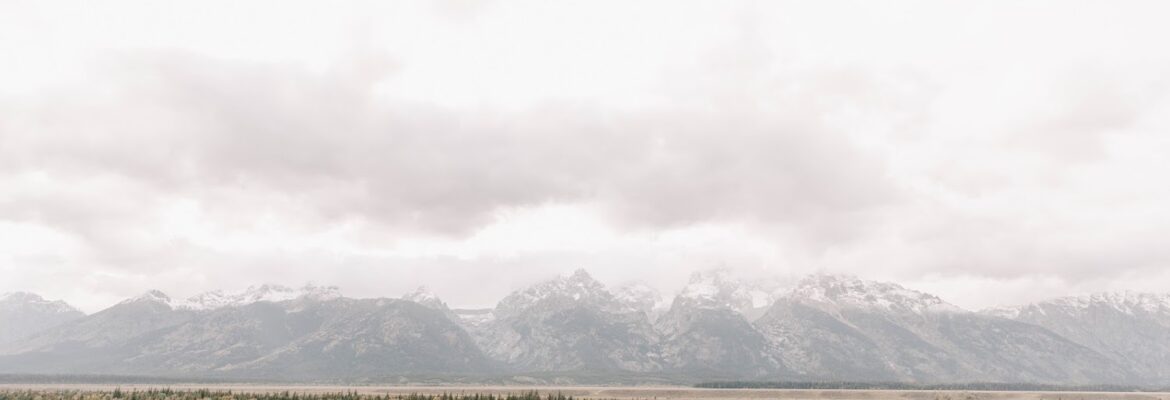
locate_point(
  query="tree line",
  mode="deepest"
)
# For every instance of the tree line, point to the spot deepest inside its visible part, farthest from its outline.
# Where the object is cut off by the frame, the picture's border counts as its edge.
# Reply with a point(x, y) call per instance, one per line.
point(209, 394)
point(973, 386)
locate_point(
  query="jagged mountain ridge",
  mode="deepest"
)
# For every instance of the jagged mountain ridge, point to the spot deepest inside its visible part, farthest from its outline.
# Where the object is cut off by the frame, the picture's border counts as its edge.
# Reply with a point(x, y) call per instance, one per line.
point(707, 329)
point(216, 299)
point(824, 328)
point(841, 327)
point(23, 314)
point(1128, 327)
point(569, 324)
point(641, 297)
point(718, 289)
point(308, 337)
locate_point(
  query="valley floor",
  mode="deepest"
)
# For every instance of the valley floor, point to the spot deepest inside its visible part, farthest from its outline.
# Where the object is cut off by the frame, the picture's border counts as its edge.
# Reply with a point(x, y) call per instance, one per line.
point(628, 393)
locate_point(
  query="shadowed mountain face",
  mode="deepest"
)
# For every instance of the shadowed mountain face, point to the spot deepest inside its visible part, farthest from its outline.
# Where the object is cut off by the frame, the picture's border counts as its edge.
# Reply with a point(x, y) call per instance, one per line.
point(717, 343)
point(706, 332)
point(106, 341)
point(570, 324)
point(304, 338)
point(574, 329)
point(368, 338)
point(115, 327)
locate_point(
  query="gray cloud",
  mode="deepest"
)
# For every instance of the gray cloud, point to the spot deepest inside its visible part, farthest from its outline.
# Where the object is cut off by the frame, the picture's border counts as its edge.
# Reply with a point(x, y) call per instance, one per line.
point(189, 125)
point(963, 156)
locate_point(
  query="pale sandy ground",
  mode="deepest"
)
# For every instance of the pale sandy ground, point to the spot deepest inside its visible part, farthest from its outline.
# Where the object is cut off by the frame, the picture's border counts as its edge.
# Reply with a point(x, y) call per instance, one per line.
point(632, 393)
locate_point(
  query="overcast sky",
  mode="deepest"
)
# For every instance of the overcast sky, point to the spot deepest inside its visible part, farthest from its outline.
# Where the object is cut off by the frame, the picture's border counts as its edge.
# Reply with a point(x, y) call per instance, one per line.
point(990, 152)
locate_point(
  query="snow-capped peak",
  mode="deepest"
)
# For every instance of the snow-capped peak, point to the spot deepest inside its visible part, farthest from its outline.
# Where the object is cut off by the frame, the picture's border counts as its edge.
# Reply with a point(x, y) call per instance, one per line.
point(219, 299)
point(844, 290)
point(151, 296)
point(423, 293)
point(20, 297)
point(26, 299)
point(578, 287)
point(1130, 302)
point(581, 278)
point(1127, 302)
point(718, 289)
point(640, 297)
point(424, 296)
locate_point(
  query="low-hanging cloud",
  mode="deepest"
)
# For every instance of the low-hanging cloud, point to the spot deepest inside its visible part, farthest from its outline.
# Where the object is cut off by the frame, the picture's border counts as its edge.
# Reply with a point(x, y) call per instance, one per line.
point(187, 125)
point(466, 140)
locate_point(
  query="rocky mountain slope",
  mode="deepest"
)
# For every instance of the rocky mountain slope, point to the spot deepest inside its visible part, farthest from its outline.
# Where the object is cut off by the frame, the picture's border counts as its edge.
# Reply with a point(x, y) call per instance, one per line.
point(836, 328)
point(1129, 327)
point(309, 337)
point(642, 297)
point(719, 289)
point(574, 329)
point(570, 324)
point(707, 332)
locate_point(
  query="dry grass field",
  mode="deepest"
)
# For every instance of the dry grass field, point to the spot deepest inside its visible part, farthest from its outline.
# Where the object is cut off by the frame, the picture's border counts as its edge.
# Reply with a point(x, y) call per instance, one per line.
point(631, 393)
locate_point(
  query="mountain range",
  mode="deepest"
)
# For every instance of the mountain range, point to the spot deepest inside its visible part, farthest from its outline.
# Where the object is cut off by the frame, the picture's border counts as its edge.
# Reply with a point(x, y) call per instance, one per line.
point(574, 329)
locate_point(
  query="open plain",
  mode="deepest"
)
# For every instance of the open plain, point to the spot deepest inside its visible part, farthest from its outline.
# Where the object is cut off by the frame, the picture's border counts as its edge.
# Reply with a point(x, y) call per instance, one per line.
point(629, 393)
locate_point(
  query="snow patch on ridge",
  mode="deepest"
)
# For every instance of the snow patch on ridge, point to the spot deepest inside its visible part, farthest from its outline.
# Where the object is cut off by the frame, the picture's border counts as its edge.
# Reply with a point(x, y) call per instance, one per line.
point(217, 299)
point(578, 287)
point(718, 289)
point(425, 297)
point(1125, 302)
point(640, 297)
point(850, 291)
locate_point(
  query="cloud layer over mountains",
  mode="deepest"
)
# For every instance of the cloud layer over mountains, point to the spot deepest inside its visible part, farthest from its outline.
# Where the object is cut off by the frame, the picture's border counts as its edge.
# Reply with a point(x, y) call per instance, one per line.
point(989, 152)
